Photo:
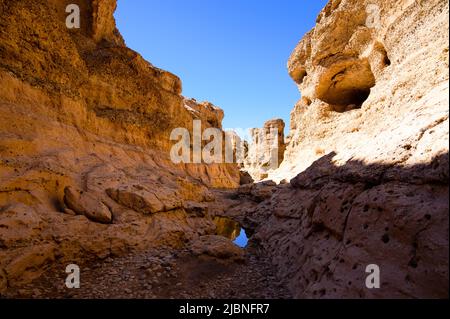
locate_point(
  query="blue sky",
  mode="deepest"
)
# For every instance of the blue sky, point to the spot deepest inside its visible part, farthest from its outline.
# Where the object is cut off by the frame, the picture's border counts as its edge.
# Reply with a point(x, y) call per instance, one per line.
point(232, 53)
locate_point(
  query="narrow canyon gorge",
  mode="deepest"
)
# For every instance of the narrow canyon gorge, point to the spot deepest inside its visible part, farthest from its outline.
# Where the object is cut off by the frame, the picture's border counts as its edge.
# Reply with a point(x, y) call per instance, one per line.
point(86, 175)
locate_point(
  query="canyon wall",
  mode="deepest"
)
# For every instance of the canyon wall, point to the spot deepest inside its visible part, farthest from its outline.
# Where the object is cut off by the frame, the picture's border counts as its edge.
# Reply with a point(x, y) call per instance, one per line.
point(265, 151)
point(367, 156)
point(371, 71)
point(85, 124)
point(84, 151)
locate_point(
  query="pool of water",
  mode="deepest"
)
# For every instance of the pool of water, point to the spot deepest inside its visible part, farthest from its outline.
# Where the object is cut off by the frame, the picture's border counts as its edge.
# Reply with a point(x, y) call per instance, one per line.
point(229, 228)
point(242, 239)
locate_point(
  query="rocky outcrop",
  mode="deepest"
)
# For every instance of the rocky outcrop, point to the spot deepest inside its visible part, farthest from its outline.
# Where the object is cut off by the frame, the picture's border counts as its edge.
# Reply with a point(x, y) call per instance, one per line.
point(367, 157)
point(85, 171)
point(85, 204)
point(217, 247)
point(324, 228)
point(85, 127)
point(266, 149)
point(366, 75)
point(144, 201)
point(103, 22)
point(205, 111)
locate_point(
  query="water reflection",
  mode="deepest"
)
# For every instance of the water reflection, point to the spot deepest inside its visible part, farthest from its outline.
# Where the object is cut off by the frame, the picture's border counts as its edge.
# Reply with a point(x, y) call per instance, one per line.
point(241, 240)
point(229, 228)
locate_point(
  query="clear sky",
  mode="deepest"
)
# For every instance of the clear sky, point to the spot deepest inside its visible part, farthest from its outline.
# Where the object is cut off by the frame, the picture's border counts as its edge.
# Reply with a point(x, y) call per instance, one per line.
point(232, 53)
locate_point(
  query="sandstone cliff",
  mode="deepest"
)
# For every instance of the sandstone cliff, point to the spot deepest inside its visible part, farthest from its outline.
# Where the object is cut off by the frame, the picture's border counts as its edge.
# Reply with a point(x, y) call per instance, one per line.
point(84, 143)
point(371, 71)
point(85, 171)
point(266, 149)
point(369, 138)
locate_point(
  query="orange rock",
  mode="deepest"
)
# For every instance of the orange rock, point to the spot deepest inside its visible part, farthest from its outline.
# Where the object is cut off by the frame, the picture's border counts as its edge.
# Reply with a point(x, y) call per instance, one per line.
point(86, 204)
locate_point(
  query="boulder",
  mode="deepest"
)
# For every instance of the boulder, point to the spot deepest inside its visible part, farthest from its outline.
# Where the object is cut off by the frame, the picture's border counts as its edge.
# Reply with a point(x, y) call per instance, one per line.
point(86, 204)
point(145, 201)
point(218, 247)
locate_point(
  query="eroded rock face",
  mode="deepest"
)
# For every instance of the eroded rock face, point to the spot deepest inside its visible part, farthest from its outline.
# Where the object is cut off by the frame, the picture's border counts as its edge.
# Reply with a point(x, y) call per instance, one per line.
point(367, 157)
point(103, 22)
point(266, 150)
point(205, 111)
point(142, 200)
point(18, 221)
point(29, 262)
point(85, 204)
point(85, 129)
point(366, 75)
point(324, 228)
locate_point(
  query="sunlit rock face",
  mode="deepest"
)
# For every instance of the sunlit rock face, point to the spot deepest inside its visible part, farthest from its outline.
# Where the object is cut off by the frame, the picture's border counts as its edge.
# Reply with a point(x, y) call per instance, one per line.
point(370, 71)
point(85, 168)
point(366, 158)
point(81, 112)
point(265, 150)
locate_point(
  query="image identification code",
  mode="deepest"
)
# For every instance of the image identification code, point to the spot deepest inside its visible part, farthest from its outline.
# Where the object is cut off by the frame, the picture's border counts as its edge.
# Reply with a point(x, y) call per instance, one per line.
point(227, 309)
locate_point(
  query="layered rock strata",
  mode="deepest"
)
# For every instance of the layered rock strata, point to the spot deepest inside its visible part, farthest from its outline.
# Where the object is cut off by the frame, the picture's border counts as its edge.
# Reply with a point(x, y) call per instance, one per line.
point(85, 127)
point(367, 156)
